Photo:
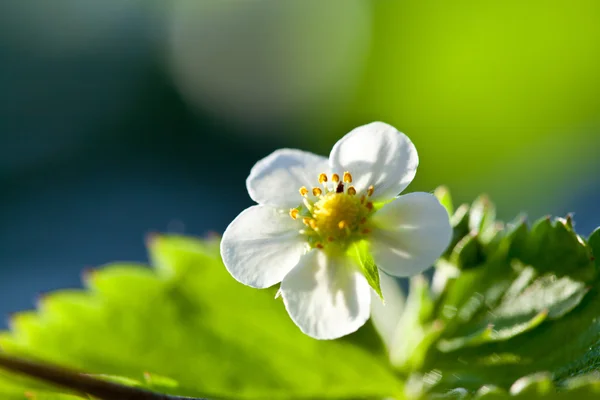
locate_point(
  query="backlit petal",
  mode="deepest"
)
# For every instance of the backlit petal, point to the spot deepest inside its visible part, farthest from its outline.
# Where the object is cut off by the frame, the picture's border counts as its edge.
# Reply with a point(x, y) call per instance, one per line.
point(326, 296)
point(376, 154)
point(410, 235)
point(261, 246)
point(276, 179)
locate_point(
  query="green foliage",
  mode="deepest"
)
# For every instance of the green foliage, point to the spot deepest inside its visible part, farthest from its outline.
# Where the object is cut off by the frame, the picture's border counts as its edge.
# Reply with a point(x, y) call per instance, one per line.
point(360, 251)
point(197, 331)
point(512, 301)
point(512, 312)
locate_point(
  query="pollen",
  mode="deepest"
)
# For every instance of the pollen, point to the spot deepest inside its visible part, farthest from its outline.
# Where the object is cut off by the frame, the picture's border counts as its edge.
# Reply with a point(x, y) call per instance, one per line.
point(337, 214)
point(370, 190)
point(294, 213)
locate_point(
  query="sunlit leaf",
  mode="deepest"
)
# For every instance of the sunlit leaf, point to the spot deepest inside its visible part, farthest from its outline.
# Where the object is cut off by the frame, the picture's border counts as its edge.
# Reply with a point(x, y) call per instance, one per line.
point(188, 328)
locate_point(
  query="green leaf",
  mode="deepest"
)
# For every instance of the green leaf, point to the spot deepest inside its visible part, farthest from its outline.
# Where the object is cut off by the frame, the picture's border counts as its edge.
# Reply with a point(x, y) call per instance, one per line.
point(505, 317)
point(362, 254)
point(443, 195)
point(414, 333)
point(188, 328)
point(511, 301)
point(53, 396)
point(467, 252)
point(594, 242)
point(512, 312)
point(482, 218)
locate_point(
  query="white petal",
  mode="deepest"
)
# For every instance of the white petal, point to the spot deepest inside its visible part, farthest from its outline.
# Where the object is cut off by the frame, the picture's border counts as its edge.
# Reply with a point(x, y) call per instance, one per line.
point(411, 233)
point(385, 315)
point(326, 296)
point(376, 154)
point(276, 179)
point(261, 246)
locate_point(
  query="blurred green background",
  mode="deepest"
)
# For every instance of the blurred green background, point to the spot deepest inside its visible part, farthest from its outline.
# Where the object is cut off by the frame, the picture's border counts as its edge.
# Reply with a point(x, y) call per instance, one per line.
point(122, 118)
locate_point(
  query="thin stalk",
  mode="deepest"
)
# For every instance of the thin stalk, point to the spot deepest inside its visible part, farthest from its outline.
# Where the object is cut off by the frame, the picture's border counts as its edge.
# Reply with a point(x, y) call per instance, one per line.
point(79, 382)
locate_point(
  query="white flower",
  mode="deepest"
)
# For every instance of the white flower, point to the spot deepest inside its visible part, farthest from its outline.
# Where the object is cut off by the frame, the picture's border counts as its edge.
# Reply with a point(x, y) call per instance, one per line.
point(310, 212)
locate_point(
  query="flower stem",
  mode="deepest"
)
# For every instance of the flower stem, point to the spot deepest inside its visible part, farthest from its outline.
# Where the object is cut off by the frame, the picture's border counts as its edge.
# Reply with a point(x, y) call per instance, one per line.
point(79, 382)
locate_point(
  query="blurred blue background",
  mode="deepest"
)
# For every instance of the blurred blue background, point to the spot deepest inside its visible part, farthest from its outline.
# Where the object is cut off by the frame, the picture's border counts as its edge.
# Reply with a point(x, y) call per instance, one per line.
point(122, 118)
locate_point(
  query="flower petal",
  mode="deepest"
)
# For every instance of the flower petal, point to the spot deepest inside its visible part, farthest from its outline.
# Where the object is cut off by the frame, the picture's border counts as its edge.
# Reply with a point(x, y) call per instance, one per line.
point(326, 296)
point(376, 154)
point(385, 315)
point(410, 234)
point(261, 246)
point(276, 179)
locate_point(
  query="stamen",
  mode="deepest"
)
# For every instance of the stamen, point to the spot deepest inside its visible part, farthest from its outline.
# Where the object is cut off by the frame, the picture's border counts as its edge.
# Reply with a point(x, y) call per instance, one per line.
point(308, 204)
point(294, 213)
point(332, 211)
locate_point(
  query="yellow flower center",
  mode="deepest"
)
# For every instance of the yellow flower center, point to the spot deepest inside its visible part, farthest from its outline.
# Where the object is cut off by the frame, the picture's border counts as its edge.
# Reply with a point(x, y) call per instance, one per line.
point(335, 213)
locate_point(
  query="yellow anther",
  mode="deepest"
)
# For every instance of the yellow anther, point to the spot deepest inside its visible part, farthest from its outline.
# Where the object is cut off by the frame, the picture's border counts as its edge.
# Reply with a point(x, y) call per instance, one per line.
point(319, 245)
point(366, 231)
point(322, 178)
point(310, 222)
point(370, 206)
point(303, 191)
point(347, 177)
point(342, 224)
point(363, 220)
point(317, 191)
point(362, 199)
point(331, 238)
point(351, 191)
point(335, 178)
point(370, 190)
point(294, 213)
